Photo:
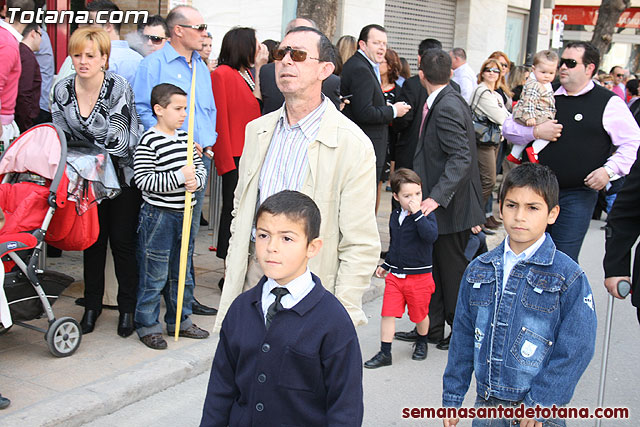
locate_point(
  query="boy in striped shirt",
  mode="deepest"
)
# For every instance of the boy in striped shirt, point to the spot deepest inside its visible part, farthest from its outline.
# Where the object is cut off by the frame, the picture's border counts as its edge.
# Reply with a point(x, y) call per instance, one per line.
point(162, 173)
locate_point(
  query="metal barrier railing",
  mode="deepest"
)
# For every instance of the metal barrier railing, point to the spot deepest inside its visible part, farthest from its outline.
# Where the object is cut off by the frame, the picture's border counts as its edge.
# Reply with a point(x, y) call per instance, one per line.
point(215, 204)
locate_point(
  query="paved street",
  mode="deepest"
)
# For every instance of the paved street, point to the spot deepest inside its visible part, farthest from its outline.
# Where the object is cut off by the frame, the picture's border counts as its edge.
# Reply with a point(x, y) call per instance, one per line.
point(411, 383)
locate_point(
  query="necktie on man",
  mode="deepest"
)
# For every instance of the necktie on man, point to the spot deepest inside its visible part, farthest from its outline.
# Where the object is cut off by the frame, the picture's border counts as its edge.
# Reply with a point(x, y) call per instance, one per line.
point(425, 110)
point(277, 305)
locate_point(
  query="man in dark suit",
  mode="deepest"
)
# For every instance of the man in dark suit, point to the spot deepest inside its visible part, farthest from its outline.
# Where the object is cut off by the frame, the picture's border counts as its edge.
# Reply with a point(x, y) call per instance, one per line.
point(414, 94)
point(447, 163)
point(368, 109)
point(272, 98)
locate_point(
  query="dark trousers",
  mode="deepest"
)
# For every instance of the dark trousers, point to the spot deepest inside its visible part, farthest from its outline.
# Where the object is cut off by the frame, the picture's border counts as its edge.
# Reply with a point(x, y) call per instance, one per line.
point(449, 263)
point(229, 182)
point(43, 117)
point(576, 208)
point(118, 223)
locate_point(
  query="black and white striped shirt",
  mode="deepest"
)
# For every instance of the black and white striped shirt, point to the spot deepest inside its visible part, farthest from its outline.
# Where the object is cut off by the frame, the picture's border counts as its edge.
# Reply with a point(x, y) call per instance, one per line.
point(157, 164)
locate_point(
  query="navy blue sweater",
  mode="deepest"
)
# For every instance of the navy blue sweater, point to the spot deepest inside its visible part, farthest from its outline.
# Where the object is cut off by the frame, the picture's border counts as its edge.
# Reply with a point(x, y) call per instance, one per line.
point(410, 251)
point(306, 370)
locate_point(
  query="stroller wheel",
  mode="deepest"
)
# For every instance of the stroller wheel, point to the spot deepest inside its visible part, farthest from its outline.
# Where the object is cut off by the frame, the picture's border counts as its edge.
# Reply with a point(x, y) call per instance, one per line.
point(63, 337)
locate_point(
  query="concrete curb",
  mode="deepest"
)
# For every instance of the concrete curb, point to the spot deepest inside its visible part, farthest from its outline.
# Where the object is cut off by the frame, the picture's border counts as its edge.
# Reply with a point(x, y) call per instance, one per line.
point(84, 404)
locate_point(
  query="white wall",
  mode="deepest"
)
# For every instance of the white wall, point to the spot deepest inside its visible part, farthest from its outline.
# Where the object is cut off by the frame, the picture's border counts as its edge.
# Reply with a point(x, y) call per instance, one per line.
point(480, 28)
point(355, 14)
point(263, 15)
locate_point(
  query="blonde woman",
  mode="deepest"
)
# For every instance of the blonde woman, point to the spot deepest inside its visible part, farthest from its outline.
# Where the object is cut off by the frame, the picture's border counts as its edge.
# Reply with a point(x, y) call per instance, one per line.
point(97, 106)
point(501, 86)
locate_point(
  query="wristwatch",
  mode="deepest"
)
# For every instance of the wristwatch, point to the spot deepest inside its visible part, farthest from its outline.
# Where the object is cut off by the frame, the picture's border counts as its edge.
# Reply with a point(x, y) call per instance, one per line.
point(610, 171)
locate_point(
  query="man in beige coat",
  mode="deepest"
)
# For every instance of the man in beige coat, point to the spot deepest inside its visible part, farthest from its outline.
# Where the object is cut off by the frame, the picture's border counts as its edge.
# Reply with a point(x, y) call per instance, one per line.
point(338, 174)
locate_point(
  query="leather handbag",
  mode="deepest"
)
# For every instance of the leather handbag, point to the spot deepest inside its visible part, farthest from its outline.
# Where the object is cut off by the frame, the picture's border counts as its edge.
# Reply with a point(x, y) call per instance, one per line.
point(487, 132)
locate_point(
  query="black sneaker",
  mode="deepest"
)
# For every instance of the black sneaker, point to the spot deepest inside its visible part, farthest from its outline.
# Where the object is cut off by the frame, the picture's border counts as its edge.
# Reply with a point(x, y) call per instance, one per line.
point(378, 361)
point(419, 350)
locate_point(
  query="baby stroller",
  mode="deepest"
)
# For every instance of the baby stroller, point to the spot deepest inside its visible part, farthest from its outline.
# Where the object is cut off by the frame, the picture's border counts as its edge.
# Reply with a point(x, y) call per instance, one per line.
point(45, 200)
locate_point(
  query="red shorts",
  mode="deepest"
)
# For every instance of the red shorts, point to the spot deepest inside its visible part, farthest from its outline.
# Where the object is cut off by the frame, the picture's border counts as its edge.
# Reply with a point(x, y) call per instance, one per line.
point(414, 292)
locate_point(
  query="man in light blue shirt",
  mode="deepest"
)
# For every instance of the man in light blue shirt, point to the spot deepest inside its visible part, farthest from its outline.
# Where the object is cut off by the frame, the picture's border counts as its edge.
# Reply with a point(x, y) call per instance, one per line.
point(123, 60)
point(44, 56)
point(172, 64)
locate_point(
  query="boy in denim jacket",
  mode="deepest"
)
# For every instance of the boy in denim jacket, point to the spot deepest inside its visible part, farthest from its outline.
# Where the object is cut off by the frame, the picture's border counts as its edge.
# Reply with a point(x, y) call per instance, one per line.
point(525, 318)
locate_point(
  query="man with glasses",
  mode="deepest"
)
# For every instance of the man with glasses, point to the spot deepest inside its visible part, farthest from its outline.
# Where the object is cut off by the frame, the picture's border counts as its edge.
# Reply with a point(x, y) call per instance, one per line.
point(368, 108)
point(618, 76)
point(173, 64)
point(309, 146)
point(272, 98)
point(591, 122)
point(154, 34)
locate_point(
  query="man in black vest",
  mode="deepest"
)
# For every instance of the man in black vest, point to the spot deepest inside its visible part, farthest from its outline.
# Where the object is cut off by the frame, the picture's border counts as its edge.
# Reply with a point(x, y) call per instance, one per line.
point(368, 109)
point(591, 123)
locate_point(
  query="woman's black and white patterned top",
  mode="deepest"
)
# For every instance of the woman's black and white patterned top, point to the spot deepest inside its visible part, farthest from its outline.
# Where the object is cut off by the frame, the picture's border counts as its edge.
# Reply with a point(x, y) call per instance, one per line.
point(112, 124)
point(157, 163)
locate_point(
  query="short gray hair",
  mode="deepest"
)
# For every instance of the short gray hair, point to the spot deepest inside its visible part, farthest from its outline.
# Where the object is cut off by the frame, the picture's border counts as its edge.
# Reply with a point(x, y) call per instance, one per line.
point(459, 53)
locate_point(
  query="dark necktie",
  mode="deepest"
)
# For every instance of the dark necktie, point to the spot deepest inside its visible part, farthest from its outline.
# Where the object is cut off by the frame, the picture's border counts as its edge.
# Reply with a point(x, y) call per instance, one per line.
point(277, 305)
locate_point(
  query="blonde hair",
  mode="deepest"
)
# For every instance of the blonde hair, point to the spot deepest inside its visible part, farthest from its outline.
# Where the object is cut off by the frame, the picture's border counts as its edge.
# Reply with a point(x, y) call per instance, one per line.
point(80, 37)
point(346, 46)
point(545, 55)
point(486, 64)
point(502, 83)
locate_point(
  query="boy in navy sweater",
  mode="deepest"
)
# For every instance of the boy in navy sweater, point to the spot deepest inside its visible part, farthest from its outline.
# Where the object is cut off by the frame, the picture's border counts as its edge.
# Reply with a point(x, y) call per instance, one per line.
point(288, 352)
point(410, 283)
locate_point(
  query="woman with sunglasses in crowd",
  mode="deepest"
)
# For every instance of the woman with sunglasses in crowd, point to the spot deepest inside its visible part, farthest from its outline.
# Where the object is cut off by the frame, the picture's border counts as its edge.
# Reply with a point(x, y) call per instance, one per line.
point(501, 86)
point(487, 101)
point(97, 106)
point(236, 89)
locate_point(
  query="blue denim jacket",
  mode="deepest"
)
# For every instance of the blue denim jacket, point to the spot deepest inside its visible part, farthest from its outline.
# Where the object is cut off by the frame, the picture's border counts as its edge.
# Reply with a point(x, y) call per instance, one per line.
point(530, 342)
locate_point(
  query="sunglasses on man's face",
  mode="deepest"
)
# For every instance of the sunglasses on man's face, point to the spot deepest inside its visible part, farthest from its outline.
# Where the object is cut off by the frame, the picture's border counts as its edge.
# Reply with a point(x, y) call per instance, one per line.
point(154, 39)
point(201, 27)
point(492, 70)
point(570, 63)
point(619, 75)
point(297, 55)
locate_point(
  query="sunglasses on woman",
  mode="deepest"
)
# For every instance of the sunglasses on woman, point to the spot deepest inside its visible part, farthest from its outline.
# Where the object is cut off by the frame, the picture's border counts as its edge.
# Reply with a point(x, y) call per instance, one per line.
point(570, 63)
point(154, 39)
point(297, 55)
point(492, 70)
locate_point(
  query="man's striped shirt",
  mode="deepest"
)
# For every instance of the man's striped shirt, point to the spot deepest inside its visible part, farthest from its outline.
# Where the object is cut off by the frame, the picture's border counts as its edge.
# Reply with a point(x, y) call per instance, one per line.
point(286, 163)
point(157, 163)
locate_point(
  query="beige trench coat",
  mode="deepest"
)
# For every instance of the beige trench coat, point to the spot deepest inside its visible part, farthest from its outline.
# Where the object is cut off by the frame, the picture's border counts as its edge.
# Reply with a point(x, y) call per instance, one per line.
point(341, 180)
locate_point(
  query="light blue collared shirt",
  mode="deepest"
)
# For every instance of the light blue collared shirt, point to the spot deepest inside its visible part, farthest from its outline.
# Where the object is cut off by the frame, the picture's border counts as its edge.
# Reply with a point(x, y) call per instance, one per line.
point(44, 56)
point(123, 60)
point(167, 66)
point(376, 67)
point(511, 259)
point(298, 289)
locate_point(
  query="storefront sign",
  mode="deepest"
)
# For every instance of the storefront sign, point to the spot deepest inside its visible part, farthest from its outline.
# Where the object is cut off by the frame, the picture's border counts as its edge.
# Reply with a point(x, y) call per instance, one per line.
point(588, 15)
